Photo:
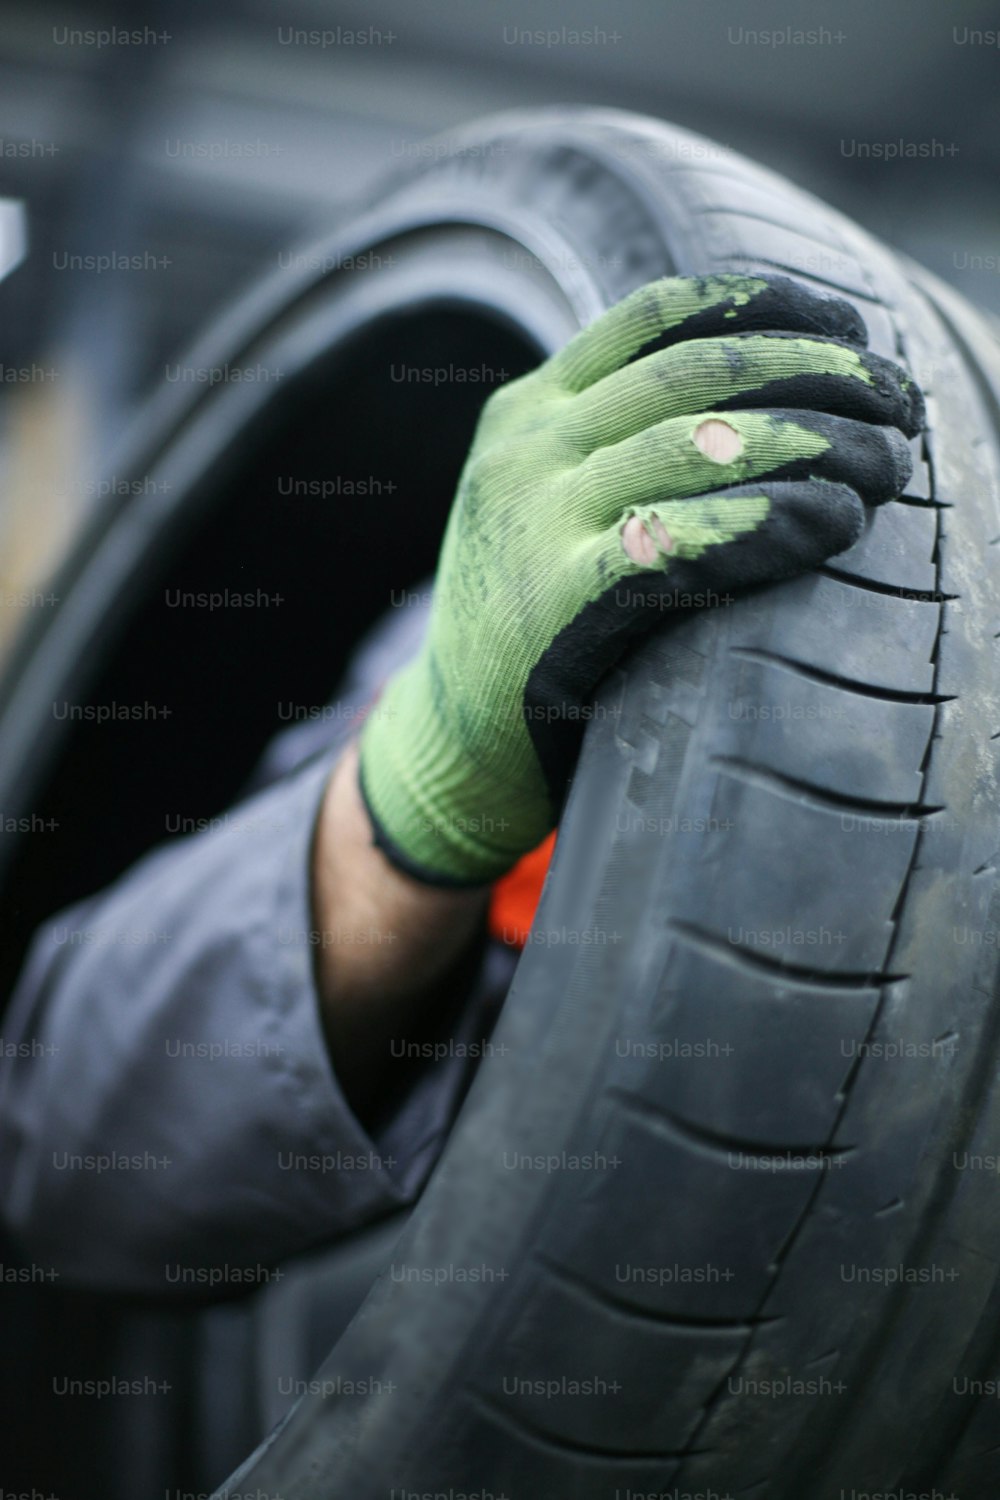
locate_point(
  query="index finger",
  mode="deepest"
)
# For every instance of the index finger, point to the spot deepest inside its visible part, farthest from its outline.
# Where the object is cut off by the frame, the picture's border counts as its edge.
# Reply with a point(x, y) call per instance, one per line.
point(677, 308)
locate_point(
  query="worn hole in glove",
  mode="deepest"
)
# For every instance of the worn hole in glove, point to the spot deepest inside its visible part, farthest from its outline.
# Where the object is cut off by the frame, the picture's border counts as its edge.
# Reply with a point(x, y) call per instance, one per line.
point(644, 541)
point(718, 441)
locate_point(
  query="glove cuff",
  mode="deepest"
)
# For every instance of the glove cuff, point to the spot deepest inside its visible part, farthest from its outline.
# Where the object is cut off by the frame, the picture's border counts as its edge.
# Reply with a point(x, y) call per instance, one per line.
point(436, 815)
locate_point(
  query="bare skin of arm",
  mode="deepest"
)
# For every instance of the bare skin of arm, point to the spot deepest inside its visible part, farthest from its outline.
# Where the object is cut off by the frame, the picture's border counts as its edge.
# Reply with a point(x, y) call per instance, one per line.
point(390, 951)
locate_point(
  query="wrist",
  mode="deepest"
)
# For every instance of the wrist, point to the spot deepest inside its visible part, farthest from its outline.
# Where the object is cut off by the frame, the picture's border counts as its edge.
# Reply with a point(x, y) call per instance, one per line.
point(439, 813)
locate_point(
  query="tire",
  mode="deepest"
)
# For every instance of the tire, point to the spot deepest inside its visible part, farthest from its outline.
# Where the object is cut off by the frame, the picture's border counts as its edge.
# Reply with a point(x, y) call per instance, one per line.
point(711, 1220)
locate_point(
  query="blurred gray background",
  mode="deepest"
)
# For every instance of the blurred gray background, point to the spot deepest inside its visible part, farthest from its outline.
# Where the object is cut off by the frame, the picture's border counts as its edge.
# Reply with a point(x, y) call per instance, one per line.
point(229, 130)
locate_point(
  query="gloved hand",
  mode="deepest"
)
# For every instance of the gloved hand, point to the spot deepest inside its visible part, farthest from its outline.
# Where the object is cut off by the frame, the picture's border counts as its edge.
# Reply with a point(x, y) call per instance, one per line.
point(594, 495)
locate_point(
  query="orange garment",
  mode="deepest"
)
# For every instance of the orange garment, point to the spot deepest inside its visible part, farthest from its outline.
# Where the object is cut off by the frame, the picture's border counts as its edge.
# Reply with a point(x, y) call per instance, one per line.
point(516, 895)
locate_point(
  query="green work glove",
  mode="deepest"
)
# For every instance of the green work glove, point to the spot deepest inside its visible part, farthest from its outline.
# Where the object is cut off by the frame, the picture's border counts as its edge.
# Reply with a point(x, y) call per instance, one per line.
point(465, 762)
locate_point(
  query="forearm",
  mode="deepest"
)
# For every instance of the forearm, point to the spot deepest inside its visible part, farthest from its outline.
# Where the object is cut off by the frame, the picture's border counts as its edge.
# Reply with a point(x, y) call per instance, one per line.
point(392, 952)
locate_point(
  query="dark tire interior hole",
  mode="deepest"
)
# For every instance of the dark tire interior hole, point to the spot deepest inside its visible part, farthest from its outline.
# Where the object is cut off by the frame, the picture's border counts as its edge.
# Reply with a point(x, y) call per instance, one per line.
point(358, 419)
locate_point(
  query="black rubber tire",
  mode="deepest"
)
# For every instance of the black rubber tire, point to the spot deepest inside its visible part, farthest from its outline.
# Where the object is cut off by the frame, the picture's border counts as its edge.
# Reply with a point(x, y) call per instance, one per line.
point(778, 850)
point(783, 825)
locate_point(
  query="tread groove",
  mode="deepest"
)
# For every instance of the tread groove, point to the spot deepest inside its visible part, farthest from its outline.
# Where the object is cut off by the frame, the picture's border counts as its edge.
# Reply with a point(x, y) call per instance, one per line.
point(716, 946)
point(623, 1307)
point(666, 1120)
point(889, 590)
point(526, 1430)
point(781, 784)
point(832, 679)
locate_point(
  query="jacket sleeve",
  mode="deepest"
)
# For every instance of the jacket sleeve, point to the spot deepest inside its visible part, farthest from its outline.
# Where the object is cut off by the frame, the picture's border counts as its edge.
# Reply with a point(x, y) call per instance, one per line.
point(170, 1116)
point(167, 1100)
